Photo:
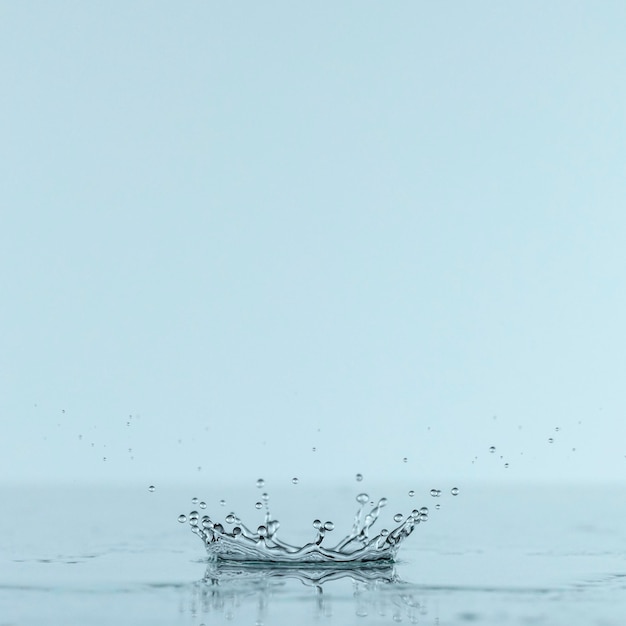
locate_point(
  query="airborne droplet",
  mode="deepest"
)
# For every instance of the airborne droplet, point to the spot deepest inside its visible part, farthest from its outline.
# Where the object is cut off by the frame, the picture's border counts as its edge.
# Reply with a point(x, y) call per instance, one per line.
point(359, 478)
point(151, 488)
point(182, 519)
point(258, 505)
point(454, 491)
point(260, 483)
point(398, 517)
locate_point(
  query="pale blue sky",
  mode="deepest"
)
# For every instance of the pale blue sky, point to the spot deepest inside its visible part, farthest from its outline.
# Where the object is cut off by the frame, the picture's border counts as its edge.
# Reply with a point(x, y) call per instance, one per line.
point(244, 222)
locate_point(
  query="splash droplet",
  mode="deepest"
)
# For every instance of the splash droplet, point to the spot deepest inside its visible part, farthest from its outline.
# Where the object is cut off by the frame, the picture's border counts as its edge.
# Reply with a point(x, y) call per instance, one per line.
point(194, 500)
point(294, 480)
point(222, 502)
point(182, 519)
point(151, 488)
point(329, 526)
point(405, 459)
point(437, 506)
point(359, 478)
point(492, 449)
point(550, 440)
point(258, 505)
point(454, 491)
point(230, 518)
point(411, 493)
point(362, 498)
point(260, 483)
point(202, 505)
point(398, 517)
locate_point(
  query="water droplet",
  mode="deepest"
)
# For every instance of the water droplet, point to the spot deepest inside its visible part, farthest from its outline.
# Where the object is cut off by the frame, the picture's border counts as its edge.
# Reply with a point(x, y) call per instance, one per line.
point(359, 478)
point(424, 510)
point(435, 493)
point(405, 459)
point(573, 449)
point(550, 440)
point(194, 500)
point(317, 524)
point(411, 493)
point(260, 483)
point(237, 530)
point(384, 532)
point(199, 468)
point(230, 518)
point(362, 498)
point(454, 491)
point(506, 466)
point(294, 480)
point(437, 506)
point(557, 429)
point(151, 488)
point(261, 531)
point(104, 458)
point(492, 449)
point(398, 517)
point(182, 519)
point(314, 448)
point(258, 505)
point(265, 497)
point(202, 505)
point(222, 502)
point(329, 526)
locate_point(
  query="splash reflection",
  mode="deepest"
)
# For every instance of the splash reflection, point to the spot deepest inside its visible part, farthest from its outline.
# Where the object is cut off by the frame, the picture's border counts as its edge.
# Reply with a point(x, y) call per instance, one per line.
point(238, 591)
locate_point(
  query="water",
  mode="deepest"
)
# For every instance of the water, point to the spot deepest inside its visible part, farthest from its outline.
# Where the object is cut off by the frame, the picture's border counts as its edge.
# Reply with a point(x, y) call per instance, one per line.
point(489, 555)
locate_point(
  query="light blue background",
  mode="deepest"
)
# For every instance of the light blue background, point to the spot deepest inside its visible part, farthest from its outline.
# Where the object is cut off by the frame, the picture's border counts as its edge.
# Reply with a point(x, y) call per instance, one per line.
point(263, 227)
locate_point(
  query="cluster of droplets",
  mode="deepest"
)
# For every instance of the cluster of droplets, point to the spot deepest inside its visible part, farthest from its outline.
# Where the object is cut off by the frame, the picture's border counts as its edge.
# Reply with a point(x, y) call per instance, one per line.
point(237, 542)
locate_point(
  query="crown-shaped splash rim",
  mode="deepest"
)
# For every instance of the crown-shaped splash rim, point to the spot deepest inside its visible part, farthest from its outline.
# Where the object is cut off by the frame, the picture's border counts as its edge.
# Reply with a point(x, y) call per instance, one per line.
point(240, 543)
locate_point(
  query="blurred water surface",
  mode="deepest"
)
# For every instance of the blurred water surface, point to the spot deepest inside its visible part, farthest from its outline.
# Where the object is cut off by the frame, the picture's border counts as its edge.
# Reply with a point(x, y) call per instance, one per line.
point(492, 555)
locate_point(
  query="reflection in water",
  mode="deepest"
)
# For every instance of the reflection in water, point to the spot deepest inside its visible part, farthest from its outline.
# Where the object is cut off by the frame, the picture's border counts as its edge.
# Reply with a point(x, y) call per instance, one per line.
point(233, 590)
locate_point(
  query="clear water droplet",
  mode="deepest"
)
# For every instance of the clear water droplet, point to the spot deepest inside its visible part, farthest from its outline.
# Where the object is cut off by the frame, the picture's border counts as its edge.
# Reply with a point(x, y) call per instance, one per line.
point(222, 502)
point(230, 518)
point(405, 460)
point(261, 531)
point(424, 510)
point(398, 517)
point(437, 506)
point(329, 526)
point(237, 530)
point(506, 466)
point(194, 500)
point(314, 449)
point(411, 493)
point(557, 429)
point(492, 449)
point(260, 483)
point(454, 491)
point(294, 480)
point(434, 493)
point(359, 478)
point(362, 498)
point(258, 505)
point(551, 440)
point(182, 519)
point(265, 497)
point(317, 524)
point(151, 488)
point(104, 458)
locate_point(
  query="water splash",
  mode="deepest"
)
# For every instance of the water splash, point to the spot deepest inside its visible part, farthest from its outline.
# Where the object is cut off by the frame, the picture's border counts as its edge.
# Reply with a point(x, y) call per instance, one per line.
point(361, 545)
